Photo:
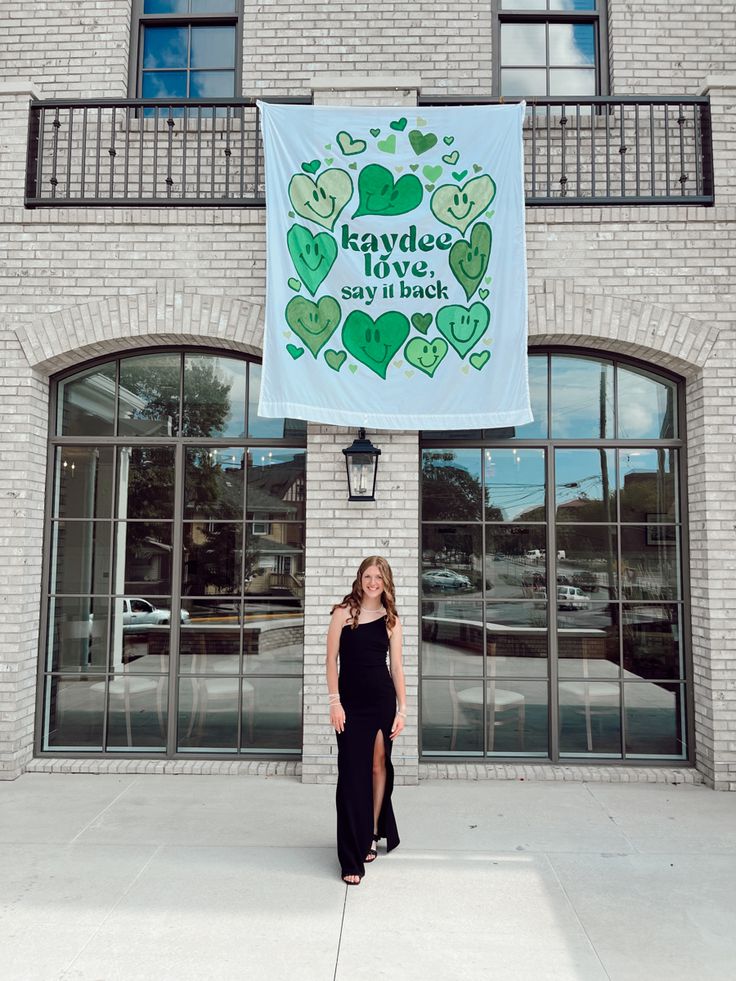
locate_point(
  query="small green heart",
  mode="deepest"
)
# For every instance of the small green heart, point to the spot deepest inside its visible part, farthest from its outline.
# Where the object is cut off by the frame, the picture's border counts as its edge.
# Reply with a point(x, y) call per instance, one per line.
point(292, 215)
point(425, 354)
point(490, 214)
point(379, 195)
point(399, 125)
point(477, 168)
point(294, 284)
point(287, 334)
point(353, 368)
point(421, 122)
point(449, 140)
point(483, 294)
point(462, 326)
point(398, 169)
point(469, 260)
point(421, 321)
point(322, 200)
point(487, 341)
point(335, 359)
point(398, 364)
point(429, 187)
point(348, 145)
point(353, 166)
point(375, 132)
point(414, 167)
point(458, 207)
point(421, 142)
point(465, 369)
point(480, 359)
point(432, 173)
point(374, 342)
point(313, 255)
point(329, 160)
point(409, 374)
point(451, 158)
point(388, 145)
point(328, 146)
point(312, 167)
point(294, 351)
point(459, 175)
point(313, 323)
point(488, 279)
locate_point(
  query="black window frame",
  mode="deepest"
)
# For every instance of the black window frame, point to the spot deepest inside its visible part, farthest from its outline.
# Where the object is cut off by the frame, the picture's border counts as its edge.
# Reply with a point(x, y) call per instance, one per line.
point(598, 18)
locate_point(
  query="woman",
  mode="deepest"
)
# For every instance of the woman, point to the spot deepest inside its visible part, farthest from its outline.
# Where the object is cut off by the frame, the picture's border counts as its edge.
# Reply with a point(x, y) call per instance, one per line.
point(367, 711)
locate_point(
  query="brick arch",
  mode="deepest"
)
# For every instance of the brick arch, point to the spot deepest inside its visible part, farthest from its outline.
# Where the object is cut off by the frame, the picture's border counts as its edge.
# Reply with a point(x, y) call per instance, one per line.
point(172, 313)
point(561, 314)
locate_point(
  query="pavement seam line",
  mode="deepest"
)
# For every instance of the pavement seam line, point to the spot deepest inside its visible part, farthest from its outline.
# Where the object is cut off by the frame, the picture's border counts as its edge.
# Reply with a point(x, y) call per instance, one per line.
point(105, 808)
point(613, 820)
point(339, 936)
point(109, 913)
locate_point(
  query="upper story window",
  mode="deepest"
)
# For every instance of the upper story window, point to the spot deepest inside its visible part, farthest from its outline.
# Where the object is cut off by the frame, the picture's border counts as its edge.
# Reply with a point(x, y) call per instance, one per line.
point(186, 49)
point(550, 48)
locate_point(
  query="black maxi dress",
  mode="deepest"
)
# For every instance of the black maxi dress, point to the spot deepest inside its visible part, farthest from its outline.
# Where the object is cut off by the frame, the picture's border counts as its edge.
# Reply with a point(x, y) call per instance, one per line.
point(368, 696)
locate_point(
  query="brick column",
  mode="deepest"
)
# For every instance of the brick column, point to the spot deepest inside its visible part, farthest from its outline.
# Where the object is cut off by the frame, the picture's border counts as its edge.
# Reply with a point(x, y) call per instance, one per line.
point(722, 92)
point(15, 97)
point(341, 534)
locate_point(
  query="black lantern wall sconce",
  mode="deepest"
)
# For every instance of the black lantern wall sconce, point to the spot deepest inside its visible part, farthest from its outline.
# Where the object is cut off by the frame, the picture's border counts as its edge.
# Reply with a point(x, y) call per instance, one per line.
point(361, 462)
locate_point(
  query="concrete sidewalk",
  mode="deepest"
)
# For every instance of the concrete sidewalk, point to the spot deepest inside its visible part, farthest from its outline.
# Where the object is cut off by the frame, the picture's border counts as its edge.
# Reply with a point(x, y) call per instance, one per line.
point(211, 877)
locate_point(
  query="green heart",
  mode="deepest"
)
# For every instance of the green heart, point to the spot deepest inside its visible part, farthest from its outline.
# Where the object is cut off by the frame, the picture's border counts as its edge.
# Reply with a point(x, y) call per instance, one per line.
point(388, 145)
point(425, 354)
point(311, 168)
point(421, 142)
point(431, 173)
point(421, 122)
point(322, 200)
point(483, 294)
point(378, 195)
point(421, 321)
point(353, 166)
point(459, 175)
point(294, 284)
point(329, 161)
point(477, 168)
point(458, 207)
point(374, 343)
point(399, 124)
point(375, 132)
point(294, 351)
point(353, 368)
point(462, 326)
point(414, 167)
point(449, 140)
point(313, 255)
point(451, 158)
point(335, 359)
point(313, 323)
point(480, 359)
point(469, 260)
point(429, 187)
point(348, 145)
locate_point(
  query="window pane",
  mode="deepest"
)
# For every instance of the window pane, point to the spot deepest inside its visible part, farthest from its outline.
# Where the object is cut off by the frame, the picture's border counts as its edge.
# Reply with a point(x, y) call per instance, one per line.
point(538, 393)
point(212, 6)
point(585, 485)
point(655, 720)
point(212, 85)
point(517, 640)
point(582, 398)
point(86, 403)
point(213, 47)
point(274, 562)
point(516, 566)
point(146, 482)
point(571, 44)
point(77, 634)
point(452, 638)
point(214, 396)
point(523, 44)
point(648, 485)
point(276, 486)
point(261, 427)
point(650, 562)
point(516, 717)
point(165, 6)
point(652, 646)
point(213, 482)
point(143, 558)
point(590, 718)
point(164, 85)
point(213, 553)
point(451, 560)
point(141, 628)
point(149, 395)
point(590, 559)
point(572, 81)
point(515, 481)
point(136, 708)
point(165, 47)
point(523, 81)
point(523, 4)
point(273, 639)
point(646, 406)
point(451, 485)
point(73, 713)
point(588, 641)
point(80, 557)
point(208, 714)
point(447, 728)
point(272, 714)
point(572, 4)
point(210, 636)
point(83, 482)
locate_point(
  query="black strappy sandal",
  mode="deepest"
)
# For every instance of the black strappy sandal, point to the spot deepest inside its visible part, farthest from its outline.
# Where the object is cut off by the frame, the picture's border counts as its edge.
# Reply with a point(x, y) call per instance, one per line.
point(347, 874)
point(373, 852)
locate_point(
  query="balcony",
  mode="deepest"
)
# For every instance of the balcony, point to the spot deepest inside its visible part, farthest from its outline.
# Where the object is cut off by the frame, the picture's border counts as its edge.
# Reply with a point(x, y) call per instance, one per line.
point(147, 153)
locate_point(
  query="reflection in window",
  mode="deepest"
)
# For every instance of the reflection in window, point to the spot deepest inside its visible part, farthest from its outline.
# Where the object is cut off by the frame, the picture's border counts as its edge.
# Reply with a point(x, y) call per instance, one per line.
point(214, 482)
point(214, 396)
point(646, 406)
point(451, 560)
point(86, 403)
point(648, 485)
point(582, 398)
point(514, 485)
point(451, 485)
point(212, 558)
point(655, 716)
point(276, 487)
point(146, 482)
point(148, 396)
point(585, 485)
point(83, 482)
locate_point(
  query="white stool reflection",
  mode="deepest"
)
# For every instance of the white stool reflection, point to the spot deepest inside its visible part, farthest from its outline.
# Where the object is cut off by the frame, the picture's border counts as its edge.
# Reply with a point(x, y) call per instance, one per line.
point(500, 701)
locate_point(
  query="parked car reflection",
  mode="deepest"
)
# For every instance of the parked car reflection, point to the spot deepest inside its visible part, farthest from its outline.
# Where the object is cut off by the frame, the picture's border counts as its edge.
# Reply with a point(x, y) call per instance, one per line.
point(445, 579)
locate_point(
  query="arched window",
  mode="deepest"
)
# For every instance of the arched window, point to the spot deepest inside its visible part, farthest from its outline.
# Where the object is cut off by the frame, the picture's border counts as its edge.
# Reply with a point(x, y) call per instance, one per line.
point(554, 618)
point(174, 562)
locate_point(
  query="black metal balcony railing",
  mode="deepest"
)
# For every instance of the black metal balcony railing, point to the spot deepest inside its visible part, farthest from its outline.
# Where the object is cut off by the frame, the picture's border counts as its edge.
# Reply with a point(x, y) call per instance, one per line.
point(134, 152)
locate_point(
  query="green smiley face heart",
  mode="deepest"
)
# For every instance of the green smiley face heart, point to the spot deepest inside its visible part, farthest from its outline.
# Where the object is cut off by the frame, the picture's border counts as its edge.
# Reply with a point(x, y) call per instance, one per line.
point(458, 207)
point(348, 145)
point(378, 195)
point(421, 142)
point(374, 343)
point(313, 323)
point(313, 255)
point(462, 326)
point(321, 200)
point(425, 354)
point(469, 260)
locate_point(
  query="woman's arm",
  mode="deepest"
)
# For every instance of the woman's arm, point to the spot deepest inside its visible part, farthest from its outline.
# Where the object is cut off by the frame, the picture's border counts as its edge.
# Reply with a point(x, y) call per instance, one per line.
point(397, 675)
point(337, 713)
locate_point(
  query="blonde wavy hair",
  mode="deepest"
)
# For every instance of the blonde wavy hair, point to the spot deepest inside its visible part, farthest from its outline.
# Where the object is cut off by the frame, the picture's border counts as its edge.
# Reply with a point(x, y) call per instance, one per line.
point(354, 599)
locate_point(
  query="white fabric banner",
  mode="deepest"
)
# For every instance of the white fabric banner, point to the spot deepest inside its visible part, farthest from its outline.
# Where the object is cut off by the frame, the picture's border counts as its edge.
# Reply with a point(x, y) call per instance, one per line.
point(396, 267)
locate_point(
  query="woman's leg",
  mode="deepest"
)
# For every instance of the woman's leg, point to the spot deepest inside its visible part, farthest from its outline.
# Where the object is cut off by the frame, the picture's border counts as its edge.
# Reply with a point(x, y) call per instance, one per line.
point(379, 776)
